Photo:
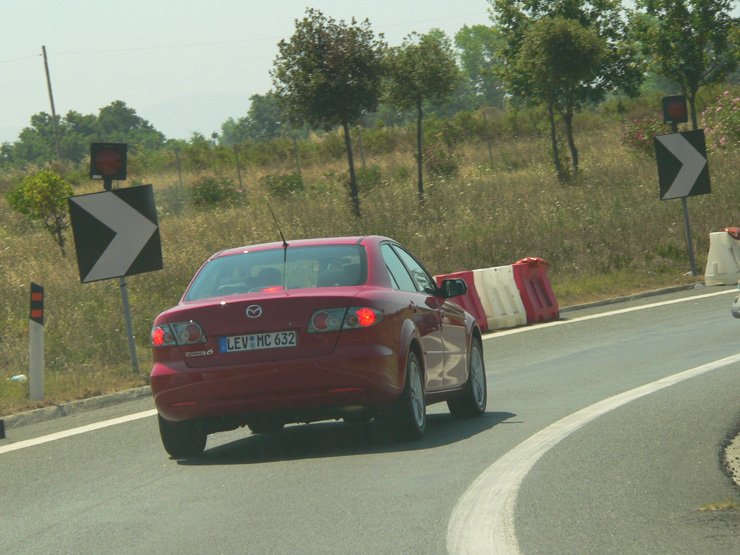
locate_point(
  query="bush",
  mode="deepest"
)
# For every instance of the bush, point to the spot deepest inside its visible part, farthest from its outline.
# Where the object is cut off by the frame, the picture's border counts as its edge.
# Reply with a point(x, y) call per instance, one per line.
point(212, 190)
point(721, 122)
point(43, 196)
point(639, 134)
point(368, 178)
point(283, 185)
point(440, 160)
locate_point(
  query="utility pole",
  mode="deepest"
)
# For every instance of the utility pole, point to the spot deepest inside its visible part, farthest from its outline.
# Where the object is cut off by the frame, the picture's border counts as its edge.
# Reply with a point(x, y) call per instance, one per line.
point(51, 100)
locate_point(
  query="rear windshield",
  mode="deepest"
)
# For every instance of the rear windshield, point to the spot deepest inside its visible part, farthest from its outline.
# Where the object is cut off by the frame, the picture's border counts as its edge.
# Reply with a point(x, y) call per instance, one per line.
point(291, 268)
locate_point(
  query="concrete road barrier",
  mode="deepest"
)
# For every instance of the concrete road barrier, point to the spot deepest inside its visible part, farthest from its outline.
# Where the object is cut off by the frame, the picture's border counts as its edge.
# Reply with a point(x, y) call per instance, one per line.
point(723, 260)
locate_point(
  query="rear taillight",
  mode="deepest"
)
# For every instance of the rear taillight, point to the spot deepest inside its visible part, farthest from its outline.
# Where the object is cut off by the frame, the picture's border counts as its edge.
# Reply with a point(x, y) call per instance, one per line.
point(179, 333)
point(335, 319)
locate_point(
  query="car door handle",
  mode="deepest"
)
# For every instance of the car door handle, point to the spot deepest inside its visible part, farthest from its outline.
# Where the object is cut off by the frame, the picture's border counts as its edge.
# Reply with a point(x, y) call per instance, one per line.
point(413, 307)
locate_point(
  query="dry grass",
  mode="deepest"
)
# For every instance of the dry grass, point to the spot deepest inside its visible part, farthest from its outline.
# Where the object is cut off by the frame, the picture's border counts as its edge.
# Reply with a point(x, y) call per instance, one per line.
point(728, 505)
point(605, 235)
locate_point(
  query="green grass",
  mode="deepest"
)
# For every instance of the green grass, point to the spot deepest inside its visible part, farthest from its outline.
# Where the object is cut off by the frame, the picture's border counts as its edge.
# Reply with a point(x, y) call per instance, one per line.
point(606, 234)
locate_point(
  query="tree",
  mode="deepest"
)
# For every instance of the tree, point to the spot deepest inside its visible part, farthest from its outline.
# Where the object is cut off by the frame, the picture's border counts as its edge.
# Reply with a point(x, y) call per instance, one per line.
point(265, 120)
point(614, 68)
point(36, 142)
point(119, 123)
point(422, 69)
point(556, 57)
point(43, 196)
point(115, 123)
point(692, 42)
point(478, 46)
point(328, 74)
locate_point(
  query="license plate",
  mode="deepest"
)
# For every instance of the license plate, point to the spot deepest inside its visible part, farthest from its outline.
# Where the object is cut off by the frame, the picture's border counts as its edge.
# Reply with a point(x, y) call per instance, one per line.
point(257, 341)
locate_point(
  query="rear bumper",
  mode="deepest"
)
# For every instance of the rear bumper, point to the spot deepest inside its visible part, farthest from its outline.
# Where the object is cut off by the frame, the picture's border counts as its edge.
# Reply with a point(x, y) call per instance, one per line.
point(353, 376)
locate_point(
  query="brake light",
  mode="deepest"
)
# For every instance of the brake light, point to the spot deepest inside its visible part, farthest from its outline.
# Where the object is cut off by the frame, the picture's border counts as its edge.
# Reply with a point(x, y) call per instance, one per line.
point(361, 317)
point(161, 336)
point(178, 333)
point(335, 319)
point(272, 289)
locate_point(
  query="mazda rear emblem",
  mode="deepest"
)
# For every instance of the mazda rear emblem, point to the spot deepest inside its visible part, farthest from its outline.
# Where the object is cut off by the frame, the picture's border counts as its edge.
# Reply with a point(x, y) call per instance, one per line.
point(254, 311)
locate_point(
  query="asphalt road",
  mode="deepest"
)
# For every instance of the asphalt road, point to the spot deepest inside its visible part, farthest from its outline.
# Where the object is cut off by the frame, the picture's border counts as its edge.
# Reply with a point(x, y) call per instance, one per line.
point(603, 435)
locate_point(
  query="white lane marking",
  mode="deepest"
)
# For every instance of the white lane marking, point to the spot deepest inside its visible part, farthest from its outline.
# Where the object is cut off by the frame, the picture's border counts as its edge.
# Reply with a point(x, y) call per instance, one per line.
point(75, 431)
point(501, 333)
point(483, 519)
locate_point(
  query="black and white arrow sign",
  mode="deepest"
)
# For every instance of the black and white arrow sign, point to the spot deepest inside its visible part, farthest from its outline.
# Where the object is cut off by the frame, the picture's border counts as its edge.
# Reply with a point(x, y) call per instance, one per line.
point(116, 233)
point(682, 164)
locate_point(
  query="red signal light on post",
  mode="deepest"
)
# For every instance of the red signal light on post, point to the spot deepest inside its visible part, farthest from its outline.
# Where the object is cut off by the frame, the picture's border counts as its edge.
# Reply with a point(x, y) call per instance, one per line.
point(674, 109)
point(108, 161)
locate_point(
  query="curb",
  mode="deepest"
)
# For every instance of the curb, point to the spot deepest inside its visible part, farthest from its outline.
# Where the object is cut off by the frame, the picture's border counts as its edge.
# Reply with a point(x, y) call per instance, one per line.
point(67, 409)
point(642, 295)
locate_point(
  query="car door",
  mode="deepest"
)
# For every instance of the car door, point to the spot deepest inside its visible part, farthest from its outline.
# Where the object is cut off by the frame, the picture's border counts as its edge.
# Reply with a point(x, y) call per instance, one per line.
point(452, 323)
point(423, 309)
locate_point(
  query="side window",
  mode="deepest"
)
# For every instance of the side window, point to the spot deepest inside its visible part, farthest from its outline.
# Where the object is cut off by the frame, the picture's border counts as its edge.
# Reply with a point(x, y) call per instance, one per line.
point(397, 271)
point(420, 276)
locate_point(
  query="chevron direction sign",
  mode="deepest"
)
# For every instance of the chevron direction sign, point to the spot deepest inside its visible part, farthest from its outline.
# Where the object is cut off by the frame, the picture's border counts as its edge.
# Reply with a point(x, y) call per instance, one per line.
point(116, 233)
point(682, 164)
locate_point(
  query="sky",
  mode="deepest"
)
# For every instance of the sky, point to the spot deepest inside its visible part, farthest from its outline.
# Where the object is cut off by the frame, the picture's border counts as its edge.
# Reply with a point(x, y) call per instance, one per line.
point(183, 65)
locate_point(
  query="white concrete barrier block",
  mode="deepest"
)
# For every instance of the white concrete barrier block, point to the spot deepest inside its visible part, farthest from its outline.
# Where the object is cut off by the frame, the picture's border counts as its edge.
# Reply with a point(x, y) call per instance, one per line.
point(500, 297)
point(723, 260)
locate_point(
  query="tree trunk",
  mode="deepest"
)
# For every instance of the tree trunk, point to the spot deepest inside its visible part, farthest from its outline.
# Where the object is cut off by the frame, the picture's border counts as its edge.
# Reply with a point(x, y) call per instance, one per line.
point(419, 159)
point(354, 195)
point(568, 117)
point(692, 109)
point(554, 140)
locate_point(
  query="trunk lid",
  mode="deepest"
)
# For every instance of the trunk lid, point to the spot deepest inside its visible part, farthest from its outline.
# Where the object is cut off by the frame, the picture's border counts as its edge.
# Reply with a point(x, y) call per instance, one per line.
point(250, 328)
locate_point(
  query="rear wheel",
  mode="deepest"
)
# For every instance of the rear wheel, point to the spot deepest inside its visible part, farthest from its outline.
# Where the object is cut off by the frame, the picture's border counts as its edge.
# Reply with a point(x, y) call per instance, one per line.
point(472, 402)
point(411, 411)
point(182, 440)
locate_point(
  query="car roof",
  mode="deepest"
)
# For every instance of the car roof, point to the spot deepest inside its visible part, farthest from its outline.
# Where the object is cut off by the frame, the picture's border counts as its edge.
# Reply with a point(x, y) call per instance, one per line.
point(350, 240)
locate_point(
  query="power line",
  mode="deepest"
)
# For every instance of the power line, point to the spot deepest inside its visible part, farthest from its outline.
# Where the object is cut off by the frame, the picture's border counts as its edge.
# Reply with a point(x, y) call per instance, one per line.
point(217, 43)
point(19, 59)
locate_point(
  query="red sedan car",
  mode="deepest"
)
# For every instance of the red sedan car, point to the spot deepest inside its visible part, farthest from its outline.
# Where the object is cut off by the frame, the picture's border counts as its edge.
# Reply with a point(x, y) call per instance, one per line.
point(352, 328)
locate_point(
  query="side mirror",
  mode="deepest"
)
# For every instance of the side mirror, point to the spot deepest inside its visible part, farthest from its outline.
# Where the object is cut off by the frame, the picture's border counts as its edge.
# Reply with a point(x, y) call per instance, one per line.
point(453, 288)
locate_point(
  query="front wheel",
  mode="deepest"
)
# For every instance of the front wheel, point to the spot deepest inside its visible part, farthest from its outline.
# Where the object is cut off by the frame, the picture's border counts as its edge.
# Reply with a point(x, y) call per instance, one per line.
point(182, 440)
point(411, 411)
point(472, 402)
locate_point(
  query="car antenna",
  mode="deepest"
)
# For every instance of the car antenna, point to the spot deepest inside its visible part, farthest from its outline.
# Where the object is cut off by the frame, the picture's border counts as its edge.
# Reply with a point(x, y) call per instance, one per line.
point(285, 245)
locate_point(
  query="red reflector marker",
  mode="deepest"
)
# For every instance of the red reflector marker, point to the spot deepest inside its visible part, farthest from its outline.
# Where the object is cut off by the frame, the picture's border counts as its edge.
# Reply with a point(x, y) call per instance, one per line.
point(321, 321)
point(194, 333)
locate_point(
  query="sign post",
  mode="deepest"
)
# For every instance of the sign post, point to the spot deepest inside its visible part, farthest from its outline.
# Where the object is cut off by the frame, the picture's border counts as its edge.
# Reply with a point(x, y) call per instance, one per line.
point(36, 344)
point(115, 231)
point(682, 163)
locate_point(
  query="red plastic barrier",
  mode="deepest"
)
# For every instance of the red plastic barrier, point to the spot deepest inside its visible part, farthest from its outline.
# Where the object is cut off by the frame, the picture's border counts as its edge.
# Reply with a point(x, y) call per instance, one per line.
point(470, 301)
point(733, 231)
point(530, 276)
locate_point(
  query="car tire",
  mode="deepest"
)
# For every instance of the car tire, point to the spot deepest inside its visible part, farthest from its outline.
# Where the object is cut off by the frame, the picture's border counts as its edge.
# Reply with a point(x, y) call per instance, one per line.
point(182, 440)
point(472, 402)
point(266, 427)
point(411, 411)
